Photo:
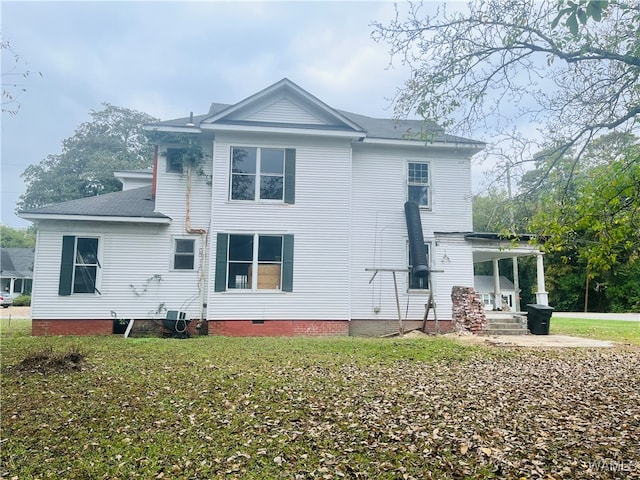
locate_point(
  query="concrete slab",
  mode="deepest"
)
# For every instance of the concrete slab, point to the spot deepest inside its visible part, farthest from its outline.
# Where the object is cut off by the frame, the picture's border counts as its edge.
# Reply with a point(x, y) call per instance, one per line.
point(537, 341)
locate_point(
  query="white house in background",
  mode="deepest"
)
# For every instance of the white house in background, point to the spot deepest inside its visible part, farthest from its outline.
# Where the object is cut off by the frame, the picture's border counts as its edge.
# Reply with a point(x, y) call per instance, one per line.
point(275, 233)
point(485, 288)
point(16, 270)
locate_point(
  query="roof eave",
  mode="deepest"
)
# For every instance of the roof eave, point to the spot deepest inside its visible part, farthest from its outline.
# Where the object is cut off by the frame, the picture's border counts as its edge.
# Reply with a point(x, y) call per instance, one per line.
point(94, 218)
point(282, 130)
point(171, 128)
point(476, 146)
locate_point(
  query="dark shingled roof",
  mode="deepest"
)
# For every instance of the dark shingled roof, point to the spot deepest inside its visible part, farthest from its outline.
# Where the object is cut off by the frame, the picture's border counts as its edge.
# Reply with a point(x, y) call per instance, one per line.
point(16, 262)
point(136, 202)
point(383, 128)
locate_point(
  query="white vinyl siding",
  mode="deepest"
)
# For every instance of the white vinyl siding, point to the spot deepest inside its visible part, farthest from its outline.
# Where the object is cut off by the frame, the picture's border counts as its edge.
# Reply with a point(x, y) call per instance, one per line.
point(284, 111)
point(136, 278)
point(319, 222)
point(380, 234)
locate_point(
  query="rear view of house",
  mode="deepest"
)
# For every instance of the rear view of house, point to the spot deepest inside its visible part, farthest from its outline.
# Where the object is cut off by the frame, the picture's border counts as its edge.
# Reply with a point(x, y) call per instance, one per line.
point(276, 215)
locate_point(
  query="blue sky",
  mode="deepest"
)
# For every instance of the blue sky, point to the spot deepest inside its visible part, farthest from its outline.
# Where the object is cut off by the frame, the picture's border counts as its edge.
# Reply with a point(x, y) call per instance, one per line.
point(169, 58)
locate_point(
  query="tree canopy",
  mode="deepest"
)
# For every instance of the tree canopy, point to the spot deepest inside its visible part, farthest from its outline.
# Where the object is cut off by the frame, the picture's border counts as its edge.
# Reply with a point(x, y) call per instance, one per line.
point(571, 68)
point(112, 140)
point(14, 237)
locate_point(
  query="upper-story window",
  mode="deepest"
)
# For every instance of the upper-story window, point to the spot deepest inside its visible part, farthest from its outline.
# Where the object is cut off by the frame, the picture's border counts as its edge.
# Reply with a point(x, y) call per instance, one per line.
point(263, 174)
point(174, 159)
point(418, 183)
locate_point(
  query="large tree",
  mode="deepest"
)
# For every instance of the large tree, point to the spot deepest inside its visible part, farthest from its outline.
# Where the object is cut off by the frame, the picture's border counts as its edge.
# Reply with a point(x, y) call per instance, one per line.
point(570, 68)
point(14, 237)
point(113, 140)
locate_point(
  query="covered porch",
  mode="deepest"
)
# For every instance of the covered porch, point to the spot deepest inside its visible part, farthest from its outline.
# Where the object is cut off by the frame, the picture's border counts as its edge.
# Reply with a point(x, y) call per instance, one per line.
point(492, 247)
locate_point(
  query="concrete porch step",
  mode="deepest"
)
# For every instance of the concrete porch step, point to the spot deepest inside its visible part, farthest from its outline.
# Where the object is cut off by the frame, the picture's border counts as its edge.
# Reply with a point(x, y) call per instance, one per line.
point(505, 331)
point(512, 324)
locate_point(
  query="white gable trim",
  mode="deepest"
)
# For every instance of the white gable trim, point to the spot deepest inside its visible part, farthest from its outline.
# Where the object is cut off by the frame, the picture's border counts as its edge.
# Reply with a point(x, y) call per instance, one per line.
point(283, 85)
point(283, 130)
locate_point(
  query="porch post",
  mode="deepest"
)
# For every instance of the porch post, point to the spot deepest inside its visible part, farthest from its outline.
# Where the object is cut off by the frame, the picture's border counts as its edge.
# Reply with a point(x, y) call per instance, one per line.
point(516, 285)
point(542, 297)
point(497, 293)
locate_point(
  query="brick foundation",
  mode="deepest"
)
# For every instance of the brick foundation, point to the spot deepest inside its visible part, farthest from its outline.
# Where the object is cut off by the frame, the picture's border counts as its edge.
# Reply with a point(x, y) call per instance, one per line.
point(378, 328)
point(71, 327)
point(279, 328)
point(141, 328)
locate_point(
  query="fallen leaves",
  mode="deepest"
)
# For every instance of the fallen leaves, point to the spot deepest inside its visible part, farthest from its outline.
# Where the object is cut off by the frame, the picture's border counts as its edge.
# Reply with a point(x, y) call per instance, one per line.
point(271, 413)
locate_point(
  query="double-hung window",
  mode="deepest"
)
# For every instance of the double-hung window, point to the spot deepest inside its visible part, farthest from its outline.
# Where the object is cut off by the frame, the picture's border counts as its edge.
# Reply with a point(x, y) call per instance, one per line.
point(415, 282)
point(254, 262)
point(418, 183)
point(79, 265)
point(262, 174)
point(184, 254)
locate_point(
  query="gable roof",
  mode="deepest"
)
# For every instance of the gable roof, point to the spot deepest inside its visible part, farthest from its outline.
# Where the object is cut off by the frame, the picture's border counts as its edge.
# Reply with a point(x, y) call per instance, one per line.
point(484, 283)
point(135, 205)
point(242, 114)
point(16, 262)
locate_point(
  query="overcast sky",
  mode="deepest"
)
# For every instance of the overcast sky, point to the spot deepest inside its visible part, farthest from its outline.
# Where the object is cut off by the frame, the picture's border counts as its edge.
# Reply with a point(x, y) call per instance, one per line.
point(167, 59)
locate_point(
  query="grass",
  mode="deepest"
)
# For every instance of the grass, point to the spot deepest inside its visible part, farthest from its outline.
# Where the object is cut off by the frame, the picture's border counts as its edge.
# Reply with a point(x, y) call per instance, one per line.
point(616, 330)
point(217, 407)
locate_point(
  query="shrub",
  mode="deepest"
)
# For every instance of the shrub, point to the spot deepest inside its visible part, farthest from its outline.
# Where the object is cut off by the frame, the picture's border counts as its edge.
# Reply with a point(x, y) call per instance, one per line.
point(22, 301)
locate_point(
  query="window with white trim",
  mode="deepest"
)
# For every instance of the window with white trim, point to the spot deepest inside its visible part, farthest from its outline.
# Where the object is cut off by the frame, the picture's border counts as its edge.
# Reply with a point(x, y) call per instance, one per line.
point(418, 183)
point(79, 265)
point(184, 253)
point(415, 282)
point(254, 262)
point(262, 174)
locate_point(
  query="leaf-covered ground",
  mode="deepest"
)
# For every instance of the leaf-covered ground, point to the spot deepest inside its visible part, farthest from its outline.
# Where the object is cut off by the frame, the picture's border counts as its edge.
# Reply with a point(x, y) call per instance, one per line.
point(318, 408)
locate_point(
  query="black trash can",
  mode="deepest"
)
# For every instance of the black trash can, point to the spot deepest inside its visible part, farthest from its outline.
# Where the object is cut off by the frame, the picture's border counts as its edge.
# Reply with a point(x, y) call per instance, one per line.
point(539, 318)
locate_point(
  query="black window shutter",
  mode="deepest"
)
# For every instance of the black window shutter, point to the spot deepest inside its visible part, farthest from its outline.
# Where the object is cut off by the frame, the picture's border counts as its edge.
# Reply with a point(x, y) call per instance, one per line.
point(290, 175)
point(222, 246)
point(287, 263)
point(66, 265)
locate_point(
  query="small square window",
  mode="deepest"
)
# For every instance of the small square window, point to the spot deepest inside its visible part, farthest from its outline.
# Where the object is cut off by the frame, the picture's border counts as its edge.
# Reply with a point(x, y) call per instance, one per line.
point(184, 254)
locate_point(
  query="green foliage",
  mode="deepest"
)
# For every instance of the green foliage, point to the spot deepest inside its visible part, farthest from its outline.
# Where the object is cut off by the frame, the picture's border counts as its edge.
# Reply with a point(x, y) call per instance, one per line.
point(597, 212)
point(16, 237)
point(614, 330)
point(191, 155)
point(22, 301)
point(113, 140)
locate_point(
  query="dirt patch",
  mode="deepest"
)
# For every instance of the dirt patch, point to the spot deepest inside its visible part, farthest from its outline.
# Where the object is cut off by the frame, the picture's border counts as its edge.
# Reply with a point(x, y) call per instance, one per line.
point(49, 361)
point(15, 312)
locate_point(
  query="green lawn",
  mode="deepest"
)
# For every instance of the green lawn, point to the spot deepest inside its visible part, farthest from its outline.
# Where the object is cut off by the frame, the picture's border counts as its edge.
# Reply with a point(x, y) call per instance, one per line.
point(616, 330)
point(215, 407)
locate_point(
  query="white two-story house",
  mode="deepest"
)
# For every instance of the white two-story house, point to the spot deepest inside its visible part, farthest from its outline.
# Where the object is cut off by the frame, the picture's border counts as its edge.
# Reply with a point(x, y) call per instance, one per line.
point(292, 223)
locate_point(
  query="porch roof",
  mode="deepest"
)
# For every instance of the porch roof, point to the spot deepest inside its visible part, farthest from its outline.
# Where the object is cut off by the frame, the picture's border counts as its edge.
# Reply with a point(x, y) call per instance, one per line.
point(491, 246)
